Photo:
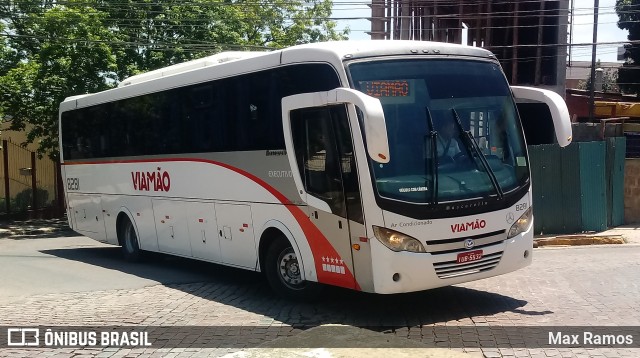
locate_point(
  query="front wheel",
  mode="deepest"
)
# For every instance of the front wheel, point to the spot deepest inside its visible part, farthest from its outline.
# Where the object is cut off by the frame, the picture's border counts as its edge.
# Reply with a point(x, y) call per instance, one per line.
point(130, 248)
point(283, 272)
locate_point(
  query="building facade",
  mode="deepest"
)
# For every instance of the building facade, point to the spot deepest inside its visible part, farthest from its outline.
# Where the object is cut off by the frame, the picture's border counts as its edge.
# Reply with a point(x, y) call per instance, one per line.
point(529, 37)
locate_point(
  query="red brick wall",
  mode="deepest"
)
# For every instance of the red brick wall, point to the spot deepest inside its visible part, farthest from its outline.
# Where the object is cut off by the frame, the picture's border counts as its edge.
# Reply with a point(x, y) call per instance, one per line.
point(632, 191)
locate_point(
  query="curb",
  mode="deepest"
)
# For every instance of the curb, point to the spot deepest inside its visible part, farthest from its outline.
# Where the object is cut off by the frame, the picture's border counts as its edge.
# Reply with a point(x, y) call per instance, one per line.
point(579, 240)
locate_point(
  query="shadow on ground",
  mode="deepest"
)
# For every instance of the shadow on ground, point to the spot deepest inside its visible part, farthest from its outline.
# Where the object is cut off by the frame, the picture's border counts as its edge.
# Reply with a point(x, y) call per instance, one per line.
point(35, 229)
point(249, 291)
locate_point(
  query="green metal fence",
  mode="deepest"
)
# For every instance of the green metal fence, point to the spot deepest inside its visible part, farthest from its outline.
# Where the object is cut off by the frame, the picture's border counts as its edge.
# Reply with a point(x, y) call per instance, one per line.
point(578, 188)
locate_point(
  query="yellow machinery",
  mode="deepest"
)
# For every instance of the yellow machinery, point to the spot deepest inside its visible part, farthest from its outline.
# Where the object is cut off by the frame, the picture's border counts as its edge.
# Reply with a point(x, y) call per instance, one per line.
point(605, 109)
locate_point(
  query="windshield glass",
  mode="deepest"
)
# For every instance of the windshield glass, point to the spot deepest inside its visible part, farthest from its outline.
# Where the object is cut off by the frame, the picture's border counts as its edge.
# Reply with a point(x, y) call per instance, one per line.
point(452, 126)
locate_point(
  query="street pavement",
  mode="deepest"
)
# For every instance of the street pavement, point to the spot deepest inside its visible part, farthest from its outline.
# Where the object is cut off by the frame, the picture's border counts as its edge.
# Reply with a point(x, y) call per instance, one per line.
point(54, 278)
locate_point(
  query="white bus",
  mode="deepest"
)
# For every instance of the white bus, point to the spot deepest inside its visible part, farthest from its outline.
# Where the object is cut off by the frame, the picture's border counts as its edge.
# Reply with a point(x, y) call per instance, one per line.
point(380, 166)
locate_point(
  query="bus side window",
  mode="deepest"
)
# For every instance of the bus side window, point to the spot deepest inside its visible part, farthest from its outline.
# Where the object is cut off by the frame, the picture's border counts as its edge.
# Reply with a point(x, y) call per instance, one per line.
point(254, 94)
point(199, 124)
point(69, 126)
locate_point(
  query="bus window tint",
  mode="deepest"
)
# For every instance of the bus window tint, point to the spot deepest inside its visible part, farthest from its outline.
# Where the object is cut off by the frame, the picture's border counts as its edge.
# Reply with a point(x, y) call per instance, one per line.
point(233, 114)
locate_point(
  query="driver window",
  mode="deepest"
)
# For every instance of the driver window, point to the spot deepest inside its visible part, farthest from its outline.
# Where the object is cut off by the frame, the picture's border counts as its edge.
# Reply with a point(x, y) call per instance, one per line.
point(317, 156)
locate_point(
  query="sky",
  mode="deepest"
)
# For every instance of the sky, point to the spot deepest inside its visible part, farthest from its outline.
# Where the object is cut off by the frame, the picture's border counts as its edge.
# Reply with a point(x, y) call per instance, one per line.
point(608, 30)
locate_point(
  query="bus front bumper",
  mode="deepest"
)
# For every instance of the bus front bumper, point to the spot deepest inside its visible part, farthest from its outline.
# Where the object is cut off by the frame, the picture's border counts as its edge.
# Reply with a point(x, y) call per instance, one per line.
point(397, 272)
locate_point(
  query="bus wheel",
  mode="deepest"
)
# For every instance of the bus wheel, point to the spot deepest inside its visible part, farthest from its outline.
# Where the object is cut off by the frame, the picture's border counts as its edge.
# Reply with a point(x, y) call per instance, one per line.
point(284, 274)
point(130, 248)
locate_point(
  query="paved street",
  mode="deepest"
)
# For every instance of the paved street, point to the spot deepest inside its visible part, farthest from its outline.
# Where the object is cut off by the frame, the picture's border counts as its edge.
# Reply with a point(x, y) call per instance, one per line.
point(73, 281)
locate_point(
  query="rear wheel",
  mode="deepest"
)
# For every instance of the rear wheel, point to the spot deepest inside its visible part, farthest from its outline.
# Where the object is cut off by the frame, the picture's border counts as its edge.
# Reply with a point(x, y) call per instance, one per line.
point(130, 248)
point(284, 273)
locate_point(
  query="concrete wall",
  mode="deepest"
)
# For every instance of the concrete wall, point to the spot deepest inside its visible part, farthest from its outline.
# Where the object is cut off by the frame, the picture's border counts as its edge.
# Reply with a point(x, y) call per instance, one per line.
point(632, 191)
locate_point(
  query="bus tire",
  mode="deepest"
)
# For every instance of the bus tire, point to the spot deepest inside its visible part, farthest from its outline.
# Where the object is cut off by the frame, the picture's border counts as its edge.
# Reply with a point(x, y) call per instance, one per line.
point(283, 272)
point(130, 246)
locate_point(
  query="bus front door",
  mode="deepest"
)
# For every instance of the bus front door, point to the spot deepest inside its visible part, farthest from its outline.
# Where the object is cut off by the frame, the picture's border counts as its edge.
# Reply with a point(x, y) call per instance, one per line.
point(325, 172)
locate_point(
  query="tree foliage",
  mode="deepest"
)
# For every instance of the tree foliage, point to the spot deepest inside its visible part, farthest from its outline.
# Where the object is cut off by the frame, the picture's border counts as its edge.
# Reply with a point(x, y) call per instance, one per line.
point(61, 53)
point(609, 81)
point(629, 19)
point(53, 50)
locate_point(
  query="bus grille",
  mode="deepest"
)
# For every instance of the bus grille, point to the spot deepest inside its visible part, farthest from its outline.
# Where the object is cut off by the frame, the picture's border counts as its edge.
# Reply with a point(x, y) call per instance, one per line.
point(449, 269)
point(446, 246)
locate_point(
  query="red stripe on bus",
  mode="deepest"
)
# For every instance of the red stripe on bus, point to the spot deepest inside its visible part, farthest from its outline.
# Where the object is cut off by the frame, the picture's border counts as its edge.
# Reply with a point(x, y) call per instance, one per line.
point(319, 244)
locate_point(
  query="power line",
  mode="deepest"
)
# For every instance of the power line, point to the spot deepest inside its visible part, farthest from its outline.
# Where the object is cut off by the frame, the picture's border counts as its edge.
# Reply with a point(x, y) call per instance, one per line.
point(203, 45)
point(607, 43)
point(272, 3)
point(477, 15)
point(208, 46)
point(208, 20)
point(190, 22)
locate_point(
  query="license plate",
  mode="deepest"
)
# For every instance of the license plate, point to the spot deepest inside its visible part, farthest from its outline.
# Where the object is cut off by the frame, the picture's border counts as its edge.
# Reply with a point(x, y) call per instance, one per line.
point(469, 256)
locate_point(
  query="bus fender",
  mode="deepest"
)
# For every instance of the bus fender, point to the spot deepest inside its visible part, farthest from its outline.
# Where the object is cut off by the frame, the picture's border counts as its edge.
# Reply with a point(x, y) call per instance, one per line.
point(301, 248)
point(125, 211)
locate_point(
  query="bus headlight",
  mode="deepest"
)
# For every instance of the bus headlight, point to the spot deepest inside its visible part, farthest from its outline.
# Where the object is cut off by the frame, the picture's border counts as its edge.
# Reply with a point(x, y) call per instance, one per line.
point(522, 224)
point(397, 241)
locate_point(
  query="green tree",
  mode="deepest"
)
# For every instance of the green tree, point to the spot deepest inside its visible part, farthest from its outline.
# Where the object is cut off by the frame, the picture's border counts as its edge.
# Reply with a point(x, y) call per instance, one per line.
point(159, 34)
point(50, 51)
point(609, 81)
point(8, 56)
point(154, 34)
point(62, 51)
point(629, 19)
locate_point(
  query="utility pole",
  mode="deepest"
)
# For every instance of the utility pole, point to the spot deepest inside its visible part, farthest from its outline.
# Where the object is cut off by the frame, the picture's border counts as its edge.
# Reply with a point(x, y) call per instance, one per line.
point(592, 107)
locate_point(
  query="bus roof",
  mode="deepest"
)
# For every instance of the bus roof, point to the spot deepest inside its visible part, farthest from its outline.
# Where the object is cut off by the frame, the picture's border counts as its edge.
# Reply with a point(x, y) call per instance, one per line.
point(340, 49)
point(190, 65)
point(228, 63)
point(369, 48)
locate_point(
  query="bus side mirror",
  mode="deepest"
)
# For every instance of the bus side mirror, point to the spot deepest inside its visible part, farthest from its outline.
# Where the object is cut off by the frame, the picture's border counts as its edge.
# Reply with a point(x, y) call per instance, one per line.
point(535, 106)
point(375, 127)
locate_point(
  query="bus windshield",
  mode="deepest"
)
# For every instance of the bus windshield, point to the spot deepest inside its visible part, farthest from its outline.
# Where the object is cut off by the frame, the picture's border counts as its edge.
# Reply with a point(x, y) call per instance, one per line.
point(453, 129)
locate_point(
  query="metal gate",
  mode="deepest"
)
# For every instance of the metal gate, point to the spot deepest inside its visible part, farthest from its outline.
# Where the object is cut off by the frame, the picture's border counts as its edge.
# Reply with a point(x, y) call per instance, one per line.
point(579, 188)
point(31, 184)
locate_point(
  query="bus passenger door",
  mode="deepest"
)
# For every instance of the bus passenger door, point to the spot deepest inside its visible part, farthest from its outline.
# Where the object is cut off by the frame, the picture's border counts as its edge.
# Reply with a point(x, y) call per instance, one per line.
point(323, 156)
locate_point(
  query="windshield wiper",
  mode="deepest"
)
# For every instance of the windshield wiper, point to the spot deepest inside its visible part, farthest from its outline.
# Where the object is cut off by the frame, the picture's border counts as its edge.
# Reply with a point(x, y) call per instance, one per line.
point(433, 134)
point(473, 147)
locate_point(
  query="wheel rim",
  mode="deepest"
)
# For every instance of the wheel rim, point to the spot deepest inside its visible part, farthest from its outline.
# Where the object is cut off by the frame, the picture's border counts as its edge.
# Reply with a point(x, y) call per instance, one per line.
point(129, 238)
point(289, 269)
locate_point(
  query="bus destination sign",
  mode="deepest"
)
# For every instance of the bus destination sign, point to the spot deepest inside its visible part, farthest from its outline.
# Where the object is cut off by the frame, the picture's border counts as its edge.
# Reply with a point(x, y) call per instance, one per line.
point(386, 88)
